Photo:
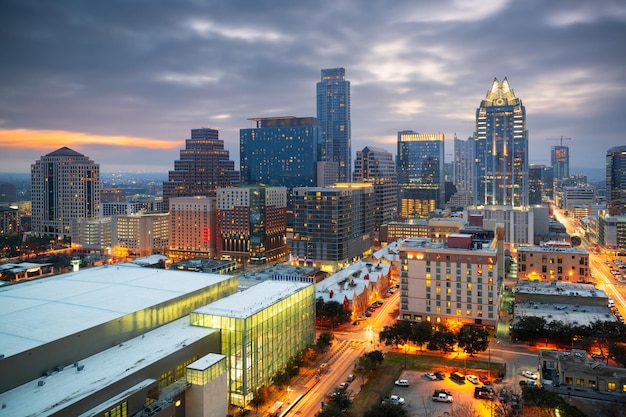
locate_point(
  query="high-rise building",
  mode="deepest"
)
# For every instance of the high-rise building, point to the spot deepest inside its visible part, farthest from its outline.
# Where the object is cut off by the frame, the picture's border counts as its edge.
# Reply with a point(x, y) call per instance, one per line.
point(333, 112)
point(559, 156)
point(280, 151)
point(616, 180)
point(65, 187)
point(8, 193)
point(501, 149)
point(203, 167)
point(464, 167)
point(192, 231)
point(540, 184)
point(333, 225)
point(252, 224)
point(376, 166)
point(420, 164)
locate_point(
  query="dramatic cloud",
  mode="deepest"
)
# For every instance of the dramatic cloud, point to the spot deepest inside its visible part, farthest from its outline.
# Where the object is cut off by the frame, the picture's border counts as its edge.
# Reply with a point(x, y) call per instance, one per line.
point(124, 82)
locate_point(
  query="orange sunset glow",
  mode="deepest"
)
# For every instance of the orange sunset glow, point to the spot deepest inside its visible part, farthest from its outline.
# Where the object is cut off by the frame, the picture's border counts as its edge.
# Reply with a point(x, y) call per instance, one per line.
point(38, 139)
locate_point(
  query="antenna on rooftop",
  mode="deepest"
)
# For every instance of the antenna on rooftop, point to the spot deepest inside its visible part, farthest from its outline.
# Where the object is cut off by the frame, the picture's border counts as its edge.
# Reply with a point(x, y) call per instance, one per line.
point(561, 139)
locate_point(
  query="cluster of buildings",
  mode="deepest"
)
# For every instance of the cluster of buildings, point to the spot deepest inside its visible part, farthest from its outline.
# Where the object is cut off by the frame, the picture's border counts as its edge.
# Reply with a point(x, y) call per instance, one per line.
point(346, 231)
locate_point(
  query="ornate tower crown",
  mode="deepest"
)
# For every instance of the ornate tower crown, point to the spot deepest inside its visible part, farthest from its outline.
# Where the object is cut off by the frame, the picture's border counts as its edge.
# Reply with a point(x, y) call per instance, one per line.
point(500, 94)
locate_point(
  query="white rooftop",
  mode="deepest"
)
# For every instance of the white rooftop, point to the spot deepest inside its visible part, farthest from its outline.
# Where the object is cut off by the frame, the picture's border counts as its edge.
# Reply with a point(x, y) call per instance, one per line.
point(250, 301)
point(70, 385)
point(37, 312)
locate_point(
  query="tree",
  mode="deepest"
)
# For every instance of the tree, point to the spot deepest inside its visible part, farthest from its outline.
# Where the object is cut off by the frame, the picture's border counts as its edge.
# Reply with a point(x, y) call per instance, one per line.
point(260, 397)
point(338, 403)
point(421, 333)
point(473, 339)
point(376, 357)
point(386, 409)
point(323, 341)
point(443, 340)
point(530, 328)
point(576, 241)
point(397, 334)
point(331, 312)
point(363, 366)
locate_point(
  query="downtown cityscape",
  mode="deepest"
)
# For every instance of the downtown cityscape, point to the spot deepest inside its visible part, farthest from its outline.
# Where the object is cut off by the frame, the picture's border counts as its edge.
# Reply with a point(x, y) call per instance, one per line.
point(370, 251)
point(473, 251)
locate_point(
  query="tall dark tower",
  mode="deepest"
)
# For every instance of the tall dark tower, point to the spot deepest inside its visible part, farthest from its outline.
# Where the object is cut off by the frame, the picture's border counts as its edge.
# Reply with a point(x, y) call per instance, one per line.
point(203, 167)
point(616, 179)
point(501, 149)
point(333, 112)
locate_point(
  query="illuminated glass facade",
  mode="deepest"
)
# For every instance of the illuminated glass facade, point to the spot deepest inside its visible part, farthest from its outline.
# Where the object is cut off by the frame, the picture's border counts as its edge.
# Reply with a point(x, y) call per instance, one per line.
point(559, 156)
point(420, 168)
point(262, 329)
point(333, 112)
point(501, 152)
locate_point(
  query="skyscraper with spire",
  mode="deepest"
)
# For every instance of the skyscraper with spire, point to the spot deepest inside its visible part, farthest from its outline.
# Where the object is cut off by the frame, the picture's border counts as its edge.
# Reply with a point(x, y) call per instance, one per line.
point(501, 149)
point(333, 112)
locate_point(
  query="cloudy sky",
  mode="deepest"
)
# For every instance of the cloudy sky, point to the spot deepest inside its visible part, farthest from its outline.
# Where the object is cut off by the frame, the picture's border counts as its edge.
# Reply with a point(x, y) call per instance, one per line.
point(123, 82)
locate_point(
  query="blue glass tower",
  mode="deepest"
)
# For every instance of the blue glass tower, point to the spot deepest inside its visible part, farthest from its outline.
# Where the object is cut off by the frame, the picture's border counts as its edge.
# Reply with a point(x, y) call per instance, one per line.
point(333, 112)
point(420, 168)
point(501, 149)
point(280, 151)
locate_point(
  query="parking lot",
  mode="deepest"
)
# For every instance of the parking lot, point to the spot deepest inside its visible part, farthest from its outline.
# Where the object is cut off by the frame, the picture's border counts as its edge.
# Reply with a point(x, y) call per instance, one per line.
point(418, 395)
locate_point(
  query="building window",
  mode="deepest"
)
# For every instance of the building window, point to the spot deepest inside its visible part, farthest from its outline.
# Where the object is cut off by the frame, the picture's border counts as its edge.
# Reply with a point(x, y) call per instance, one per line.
point(610, 386)
point(581, 382)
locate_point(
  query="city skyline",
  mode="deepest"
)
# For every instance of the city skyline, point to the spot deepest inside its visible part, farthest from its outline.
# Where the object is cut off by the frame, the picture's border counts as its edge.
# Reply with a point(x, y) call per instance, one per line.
point(126, 91)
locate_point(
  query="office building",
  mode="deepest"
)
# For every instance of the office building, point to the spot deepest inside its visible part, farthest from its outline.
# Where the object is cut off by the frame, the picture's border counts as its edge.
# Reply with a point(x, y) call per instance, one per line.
point(9, 221)
point(334, 226)
point(453, 283)
point(140, 234)
point(540, 184)
point(419, 165)
point(519, 223)
point(192, 229)
point(333, 113)
point(152, 205)
point(616, 180)
point(436, 229)
point(612, 232)
point(577, 198)
point(8, 194)
point(203, 167)
point(464, 166)
point(559, 156)
point(280, 151)
point(553, 263)
point(252, 224)
point(501, 149)
point(376, 166)
point(65, 187)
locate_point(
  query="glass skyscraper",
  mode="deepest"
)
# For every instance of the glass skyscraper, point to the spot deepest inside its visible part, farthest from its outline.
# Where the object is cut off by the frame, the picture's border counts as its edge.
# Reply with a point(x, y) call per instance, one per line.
point(280, 151)
point(501, 149)
point(559, 156)
point(420, 168)
point(616, 179)
point(333, 112)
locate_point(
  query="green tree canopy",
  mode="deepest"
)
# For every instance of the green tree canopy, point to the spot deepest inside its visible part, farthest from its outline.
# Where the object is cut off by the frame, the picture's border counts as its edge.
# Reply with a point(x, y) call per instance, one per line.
point(473, 339)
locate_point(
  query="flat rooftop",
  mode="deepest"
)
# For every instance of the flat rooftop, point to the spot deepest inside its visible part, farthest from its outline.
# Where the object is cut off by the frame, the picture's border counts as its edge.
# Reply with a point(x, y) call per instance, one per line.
point(70, 385)
point(37, 312)
point(572, 314)
point(573, 289)
point(250, 301)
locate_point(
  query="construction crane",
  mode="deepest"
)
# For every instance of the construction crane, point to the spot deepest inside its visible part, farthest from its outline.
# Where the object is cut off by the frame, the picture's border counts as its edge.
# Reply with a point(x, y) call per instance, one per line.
point(559, 139)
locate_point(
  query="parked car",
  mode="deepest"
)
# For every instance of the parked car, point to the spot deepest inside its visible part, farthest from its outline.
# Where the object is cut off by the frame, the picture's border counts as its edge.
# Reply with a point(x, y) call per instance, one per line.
point(472, 378)
point(396, 399)
point(440, 375)
point(402, 383)
point(529, 374)
point(350, 378)
point(483, 378)
point(430, 376)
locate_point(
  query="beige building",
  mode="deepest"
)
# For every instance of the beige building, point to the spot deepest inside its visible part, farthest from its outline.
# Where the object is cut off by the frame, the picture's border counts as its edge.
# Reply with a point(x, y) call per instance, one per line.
point(437, 229)
point(141, 234)
point(192, 228)
point(553, 263)
point(453, 283)
point(574, 373)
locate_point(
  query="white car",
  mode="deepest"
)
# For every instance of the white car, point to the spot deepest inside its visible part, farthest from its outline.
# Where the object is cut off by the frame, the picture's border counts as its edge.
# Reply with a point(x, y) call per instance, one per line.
point(396, 399)
point(430, 376)
point(472, 378)
point(402, 383)
point(529, 374)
